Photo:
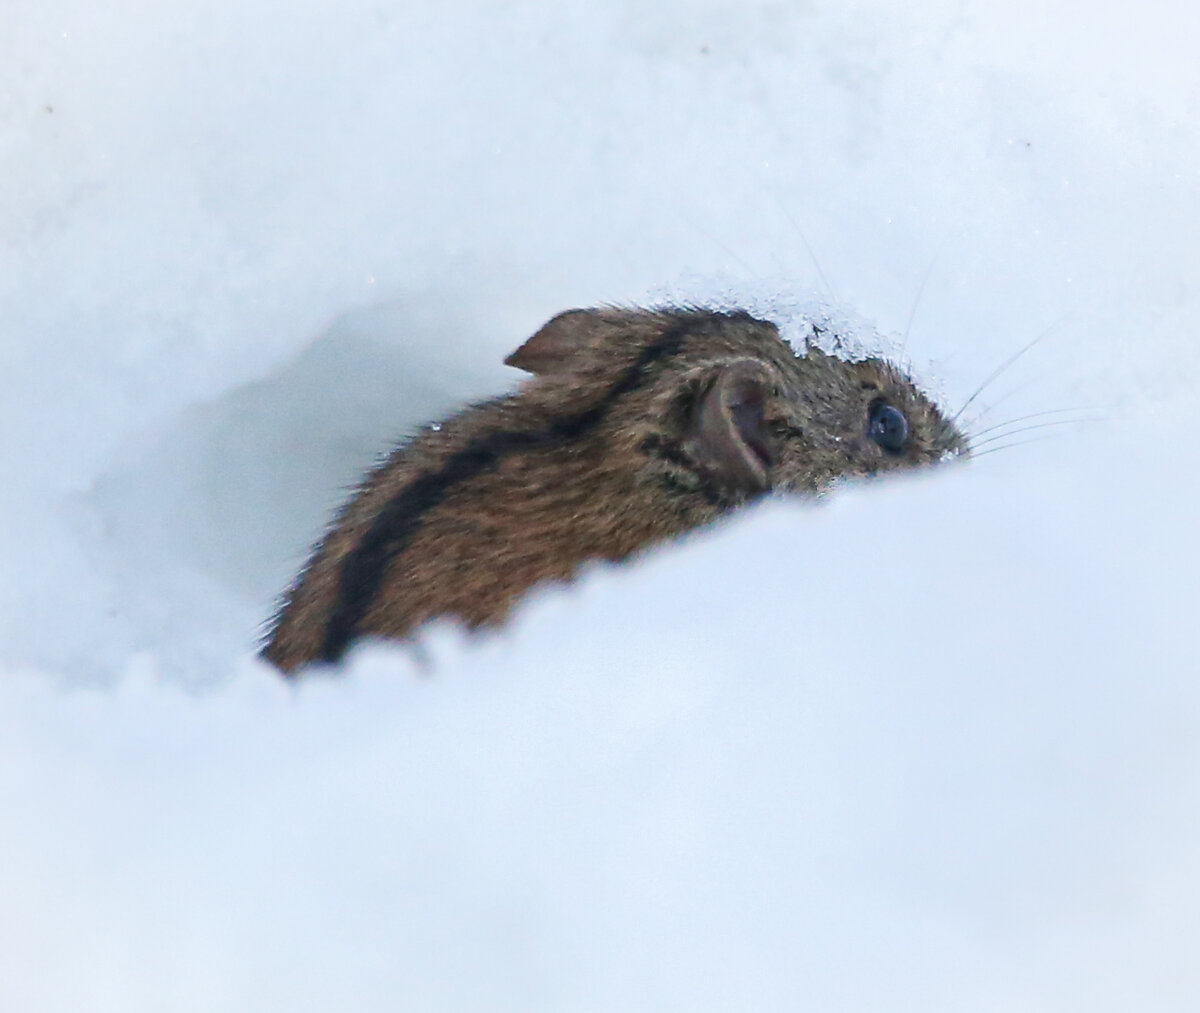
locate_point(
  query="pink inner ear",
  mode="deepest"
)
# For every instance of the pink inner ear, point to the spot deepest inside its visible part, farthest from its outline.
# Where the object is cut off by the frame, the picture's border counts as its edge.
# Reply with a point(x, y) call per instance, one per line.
point(556, 346)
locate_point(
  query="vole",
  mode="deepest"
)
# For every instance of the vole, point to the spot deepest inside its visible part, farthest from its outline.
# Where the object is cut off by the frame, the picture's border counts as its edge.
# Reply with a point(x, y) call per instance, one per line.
point(637, 425)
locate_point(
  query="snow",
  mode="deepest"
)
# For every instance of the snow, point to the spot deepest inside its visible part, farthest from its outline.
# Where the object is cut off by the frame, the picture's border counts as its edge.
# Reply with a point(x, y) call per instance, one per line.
point(931, 745)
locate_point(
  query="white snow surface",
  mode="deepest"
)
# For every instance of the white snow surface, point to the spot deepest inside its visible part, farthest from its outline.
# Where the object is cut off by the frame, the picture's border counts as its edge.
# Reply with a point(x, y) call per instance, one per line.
point(932, 745)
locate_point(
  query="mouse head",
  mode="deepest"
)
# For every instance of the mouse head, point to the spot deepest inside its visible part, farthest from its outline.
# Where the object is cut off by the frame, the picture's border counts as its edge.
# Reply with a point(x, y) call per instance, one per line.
point(717, 404)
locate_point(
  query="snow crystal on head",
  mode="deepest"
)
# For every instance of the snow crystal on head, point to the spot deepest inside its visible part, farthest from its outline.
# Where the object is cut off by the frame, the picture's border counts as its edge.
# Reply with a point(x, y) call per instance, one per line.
point(805, 319)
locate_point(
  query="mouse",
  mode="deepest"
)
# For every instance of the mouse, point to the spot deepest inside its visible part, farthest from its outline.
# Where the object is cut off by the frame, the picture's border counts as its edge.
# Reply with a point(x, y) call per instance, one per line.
point(633, 427)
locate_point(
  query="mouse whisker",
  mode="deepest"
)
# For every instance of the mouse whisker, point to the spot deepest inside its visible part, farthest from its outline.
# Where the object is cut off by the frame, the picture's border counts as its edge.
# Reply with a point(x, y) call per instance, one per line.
point(988, 409)
point(1027, 429)
point(755, 275)
point(807, 246)
point(999, 370)
point(1026, 418)
point(912, 313)
point(1009, 446)
point(1008, 395)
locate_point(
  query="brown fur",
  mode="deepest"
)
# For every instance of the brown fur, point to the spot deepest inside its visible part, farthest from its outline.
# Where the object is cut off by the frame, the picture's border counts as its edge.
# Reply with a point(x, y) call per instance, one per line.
point(637, 426)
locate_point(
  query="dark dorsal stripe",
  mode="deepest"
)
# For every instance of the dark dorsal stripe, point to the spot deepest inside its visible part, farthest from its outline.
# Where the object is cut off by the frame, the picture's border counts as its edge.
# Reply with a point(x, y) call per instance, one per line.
point(400, 519)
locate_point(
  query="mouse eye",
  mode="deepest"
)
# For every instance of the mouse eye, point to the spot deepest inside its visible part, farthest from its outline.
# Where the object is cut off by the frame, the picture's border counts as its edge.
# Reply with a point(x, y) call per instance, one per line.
point(887, 426)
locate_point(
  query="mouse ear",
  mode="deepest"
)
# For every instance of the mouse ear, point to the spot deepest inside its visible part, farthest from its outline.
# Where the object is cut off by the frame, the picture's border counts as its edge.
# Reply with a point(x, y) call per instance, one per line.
point(728, 433)
point(557, 346)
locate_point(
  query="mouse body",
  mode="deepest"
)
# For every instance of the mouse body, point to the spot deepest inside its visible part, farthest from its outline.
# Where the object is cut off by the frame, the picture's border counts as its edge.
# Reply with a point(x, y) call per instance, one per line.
point(637, 425)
